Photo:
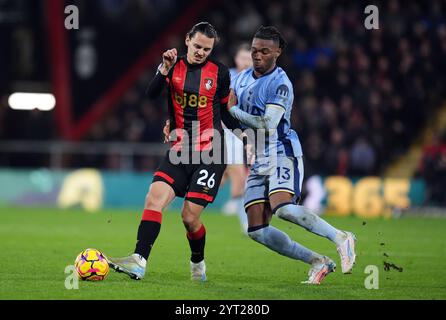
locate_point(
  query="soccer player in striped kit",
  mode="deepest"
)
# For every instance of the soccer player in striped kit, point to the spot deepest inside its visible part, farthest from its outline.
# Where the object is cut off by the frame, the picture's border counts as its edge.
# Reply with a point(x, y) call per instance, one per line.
point(198, 92)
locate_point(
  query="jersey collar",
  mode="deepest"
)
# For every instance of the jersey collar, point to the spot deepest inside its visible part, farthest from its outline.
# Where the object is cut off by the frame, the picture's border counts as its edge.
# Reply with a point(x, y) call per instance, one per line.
point(255, 77)
point(194, 66)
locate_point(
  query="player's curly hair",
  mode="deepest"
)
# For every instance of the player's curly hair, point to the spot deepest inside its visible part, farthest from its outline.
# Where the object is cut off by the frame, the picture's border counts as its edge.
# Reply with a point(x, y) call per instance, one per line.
point(205, 28)
point(271, 33)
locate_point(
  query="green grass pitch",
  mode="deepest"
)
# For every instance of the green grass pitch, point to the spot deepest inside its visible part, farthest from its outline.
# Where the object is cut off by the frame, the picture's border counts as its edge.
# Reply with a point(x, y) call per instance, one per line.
point(37, 245)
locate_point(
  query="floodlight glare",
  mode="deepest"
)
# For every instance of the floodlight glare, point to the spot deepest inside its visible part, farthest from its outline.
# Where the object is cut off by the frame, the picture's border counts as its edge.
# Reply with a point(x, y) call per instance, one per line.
point(30, 101)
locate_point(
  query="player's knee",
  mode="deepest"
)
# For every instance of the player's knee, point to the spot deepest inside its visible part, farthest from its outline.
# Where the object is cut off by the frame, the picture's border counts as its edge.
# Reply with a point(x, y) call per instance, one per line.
point(297, 214)
point(283, 212)
point(190, 221)
point(187, 218)
point(254, 235)
point(257, 233)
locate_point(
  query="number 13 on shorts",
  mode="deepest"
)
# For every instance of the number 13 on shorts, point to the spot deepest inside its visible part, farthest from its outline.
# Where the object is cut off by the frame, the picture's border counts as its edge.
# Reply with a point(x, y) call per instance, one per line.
point(283, 174)
point(288, 177)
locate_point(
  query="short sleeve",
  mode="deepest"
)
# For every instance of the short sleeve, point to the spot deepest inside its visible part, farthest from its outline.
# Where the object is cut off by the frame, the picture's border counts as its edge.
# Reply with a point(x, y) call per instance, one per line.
point(280, 93)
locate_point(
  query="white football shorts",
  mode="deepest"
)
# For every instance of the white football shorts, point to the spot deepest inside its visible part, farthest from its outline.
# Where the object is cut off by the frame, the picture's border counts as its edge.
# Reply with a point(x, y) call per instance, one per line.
point(287, 177)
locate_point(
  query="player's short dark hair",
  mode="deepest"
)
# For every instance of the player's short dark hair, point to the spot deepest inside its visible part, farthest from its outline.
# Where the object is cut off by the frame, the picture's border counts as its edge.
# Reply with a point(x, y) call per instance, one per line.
point(271, 33)
point(205, 28)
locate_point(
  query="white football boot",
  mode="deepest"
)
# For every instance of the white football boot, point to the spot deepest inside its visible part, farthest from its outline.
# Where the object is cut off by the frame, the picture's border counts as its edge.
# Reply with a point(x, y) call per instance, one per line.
point(134, 265)
point(347, 253)
point(198, 271)
point(320, 270)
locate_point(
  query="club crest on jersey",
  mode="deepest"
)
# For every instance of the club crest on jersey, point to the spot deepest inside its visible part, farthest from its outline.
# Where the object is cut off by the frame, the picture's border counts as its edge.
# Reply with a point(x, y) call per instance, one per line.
point(208, 83)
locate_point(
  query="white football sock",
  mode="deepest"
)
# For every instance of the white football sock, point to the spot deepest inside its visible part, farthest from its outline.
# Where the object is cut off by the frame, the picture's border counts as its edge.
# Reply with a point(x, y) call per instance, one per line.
point(242, 216)
point(280, 242)
point(310, 221)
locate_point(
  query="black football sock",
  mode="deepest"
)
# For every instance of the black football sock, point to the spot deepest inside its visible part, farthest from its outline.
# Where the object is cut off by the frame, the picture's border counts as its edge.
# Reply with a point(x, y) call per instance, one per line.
point(148, 231)
point(197, 242)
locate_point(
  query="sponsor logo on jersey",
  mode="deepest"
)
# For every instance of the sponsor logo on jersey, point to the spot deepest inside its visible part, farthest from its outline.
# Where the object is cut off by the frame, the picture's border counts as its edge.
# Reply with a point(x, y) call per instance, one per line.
point(283, 91)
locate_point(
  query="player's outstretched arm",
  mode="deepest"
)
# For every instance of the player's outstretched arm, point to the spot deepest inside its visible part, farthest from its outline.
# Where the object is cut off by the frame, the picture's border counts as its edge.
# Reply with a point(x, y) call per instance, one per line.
point(158, 83)
point(169, 59)
point(270, 120)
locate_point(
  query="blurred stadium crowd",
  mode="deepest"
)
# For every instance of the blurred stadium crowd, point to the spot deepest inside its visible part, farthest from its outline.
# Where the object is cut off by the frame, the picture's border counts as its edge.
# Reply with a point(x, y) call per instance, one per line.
point(432, 169)
point(361, 96)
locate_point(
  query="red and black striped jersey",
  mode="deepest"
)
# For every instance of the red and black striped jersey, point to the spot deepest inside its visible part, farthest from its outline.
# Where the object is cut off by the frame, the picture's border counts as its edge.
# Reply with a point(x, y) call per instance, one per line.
point(197, 101)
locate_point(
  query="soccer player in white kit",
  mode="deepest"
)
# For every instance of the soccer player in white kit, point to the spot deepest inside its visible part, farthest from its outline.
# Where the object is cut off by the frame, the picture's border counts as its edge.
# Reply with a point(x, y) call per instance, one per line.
point(261, 99)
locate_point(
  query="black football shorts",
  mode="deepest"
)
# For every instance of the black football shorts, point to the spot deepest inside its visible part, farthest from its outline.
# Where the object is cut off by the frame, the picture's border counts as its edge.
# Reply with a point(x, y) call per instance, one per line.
point(197, 183)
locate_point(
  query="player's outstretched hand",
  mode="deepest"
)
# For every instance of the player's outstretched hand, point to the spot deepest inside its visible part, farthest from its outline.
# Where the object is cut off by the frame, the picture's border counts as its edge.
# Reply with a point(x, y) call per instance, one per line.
point(169, 59)
point(166, 131)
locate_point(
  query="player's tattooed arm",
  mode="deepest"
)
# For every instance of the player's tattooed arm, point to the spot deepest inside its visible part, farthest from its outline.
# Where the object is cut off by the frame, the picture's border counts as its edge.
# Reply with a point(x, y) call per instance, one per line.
point(270, 120)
